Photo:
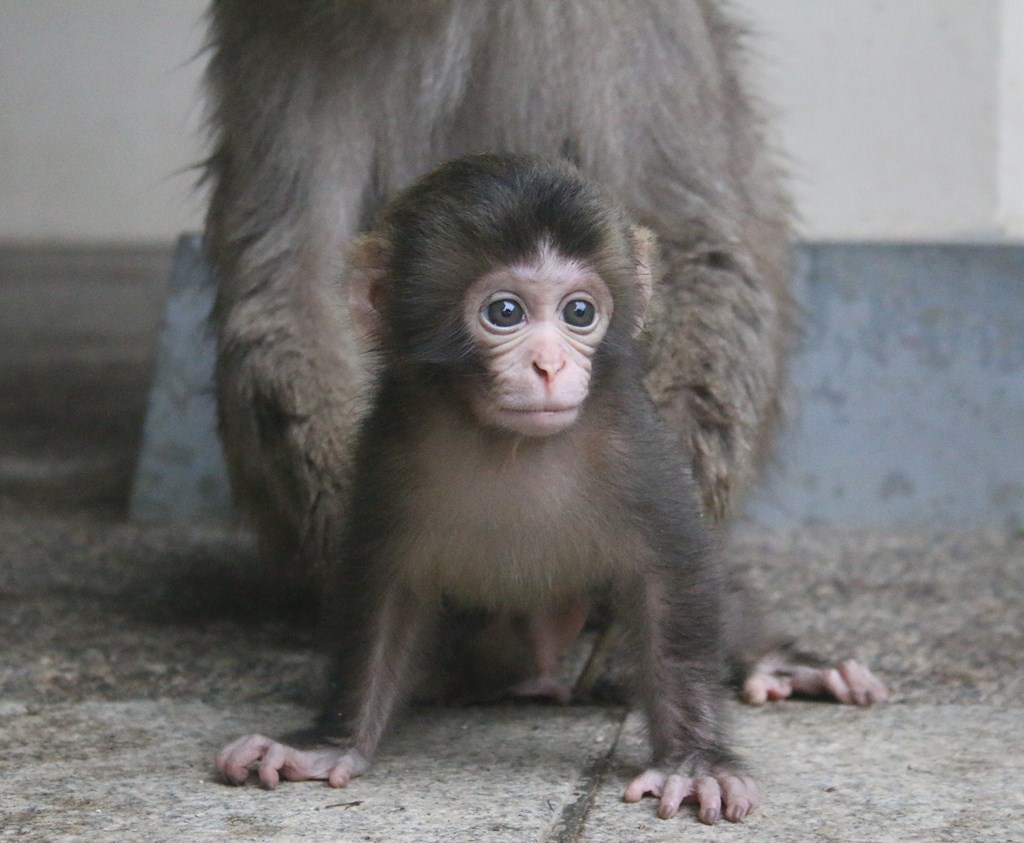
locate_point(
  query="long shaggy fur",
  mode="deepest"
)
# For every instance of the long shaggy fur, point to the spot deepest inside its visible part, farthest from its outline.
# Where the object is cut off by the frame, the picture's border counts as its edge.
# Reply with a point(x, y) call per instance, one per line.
point(321, 110)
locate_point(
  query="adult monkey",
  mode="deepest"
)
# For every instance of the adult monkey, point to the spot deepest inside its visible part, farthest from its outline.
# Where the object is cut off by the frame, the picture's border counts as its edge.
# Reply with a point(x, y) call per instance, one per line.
point(323, 109)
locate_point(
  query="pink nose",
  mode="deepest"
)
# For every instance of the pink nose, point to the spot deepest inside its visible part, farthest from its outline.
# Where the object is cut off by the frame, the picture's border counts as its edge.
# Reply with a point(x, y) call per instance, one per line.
point(548, 368)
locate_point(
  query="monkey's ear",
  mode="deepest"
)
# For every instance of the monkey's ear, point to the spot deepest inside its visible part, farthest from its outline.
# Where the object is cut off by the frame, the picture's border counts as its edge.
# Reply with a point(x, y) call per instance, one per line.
point(645, 256)
point(368, 260)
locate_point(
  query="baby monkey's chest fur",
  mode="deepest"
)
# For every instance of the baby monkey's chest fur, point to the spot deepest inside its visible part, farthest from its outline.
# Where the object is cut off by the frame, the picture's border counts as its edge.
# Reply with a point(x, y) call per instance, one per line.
point(506, 521)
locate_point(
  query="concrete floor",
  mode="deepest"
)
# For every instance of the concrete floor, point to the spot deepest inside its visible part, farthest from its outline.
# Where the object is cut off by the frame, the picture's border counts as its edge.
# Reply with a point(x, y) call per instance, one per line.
point(131, 653)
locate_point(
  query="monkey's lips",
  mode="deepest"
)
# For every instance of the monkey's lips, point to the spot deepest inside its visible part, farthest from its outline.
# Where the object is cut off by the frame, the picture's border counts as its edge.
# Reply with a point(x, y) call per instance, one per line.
point(537, 421)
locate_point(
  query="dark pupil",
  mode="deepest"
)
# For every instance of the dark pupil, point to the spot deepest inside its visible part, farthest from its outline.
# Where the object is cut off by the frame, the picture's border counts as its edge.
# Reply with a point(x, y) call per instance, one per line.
point(504, 313)
point(579, 314)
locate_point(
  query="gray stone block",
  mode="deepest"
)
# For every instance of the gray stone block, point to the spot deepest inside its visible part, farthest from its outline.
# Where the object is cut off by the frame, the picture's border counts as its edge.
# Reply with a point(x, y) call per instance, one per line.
point(908, 407)
point(180, 474)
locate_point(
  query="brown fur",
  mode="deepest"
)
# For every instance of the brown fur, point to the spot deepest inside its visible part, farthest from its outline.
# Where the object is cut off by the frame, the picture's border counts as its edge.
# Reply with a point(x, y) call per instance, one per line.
point(512, 462)
point(321, 110)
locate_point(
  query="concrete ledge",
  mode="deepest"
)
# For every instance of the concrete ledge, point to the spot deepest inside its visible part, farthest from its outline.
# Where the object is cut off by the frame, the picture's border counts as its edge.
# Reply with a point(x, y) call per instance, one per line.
point(909, 404)
point(180, 474)
point(908, 408)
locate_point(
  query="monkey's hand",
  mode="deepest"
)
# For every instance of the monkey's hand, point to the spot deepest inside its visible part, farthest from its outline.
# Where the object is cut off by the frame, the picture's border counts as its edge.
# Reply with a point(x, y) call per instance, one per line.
point(718, 791)
point(275, 761)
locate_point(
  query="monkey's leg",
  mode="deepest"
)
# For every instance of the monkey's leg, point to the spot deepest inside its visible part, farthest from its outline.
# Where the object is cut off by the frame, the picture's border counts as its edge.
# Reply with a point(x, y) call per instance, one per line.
point(718, 335)
point(683, 701)
point(365, 684)
point(518, 655)
point(768, 667)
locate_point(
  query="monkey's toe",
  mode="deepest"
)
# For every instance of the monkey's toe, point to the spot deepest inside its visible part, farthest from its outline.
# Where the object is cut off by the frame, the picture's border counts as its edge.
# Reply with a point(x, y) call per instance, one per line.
point(274, 761)
point(723, 794)
point(759, 688)
point(850, 682)
point(857, 685)
point(233, 762)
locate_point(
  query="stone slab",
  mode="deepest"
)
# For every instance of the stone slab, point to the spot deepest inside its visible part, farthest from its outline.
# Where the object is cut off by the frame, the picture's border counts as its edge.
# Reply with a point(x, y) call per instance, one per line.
point(908, 410)
point(180, 473)
point(891, 774)
point(141, 770)
point(908, 405)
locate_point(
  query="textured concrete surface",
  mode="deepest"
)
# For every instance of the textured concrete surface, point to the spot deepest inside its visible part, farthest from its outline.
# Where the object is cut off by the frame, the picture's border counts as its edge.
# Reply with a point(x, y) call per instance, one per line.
point(139, 770)
point(130, 653)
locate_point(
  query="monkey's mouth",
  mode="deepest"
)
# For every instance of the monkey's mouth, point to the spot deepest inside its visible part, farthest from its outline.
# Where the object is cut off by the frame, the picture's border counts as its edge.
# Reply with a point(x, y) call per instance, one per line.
point(537, 421)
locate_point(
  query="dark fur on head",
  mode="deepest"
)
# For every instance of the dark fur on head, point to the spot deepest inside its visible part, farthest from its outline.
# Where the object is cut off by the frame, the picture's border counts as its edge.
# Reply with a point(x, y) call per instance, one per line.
point(483, 211)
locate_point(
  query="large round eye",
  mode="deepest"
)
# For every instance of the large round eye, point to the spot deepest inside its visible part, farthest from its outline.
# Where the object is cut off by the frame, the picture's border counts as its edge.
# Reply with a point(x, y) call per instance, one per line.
point(580, 313)
point(504, 313)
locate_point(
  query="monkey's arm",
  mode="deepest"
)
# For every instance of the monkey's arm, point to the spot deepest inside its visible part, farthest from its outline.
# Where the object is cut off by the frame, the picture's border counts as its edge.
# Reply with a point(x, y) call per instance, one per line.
point(375, 633)
point(681, 683)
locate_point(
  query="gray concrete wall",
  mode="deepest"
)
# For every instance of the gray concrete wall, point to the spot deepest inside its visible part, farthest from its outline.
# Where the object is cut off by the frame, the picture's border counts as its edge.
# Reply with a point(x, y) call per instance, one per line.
point(909, 390)
point(180, 475)
point(907, 407)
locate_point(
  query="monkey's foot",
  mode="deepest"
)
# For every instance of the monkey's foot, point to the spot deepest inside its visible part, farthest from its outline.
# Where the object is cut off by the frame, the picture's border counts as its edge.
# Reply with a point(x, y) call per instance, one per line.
point(275, 761)
point(721, 794)
point(775, 678)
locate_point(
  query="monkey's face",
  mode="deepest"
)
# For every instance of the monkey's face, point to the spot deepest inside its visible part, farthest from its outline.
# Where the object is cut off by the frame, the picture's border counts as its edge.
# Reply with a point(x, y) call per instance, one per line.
point(536, 326)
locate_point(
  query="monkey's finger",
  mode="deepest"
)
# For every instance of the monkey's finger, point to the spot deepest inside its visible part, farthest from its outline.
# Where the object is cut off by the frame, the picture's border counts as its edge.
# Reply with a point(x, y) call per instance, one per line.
point(836, 685)
point(865, 687)
point(299, 766)
point(233, 761)
point(740, 795)
point(650, 781)
point(343, 772)
point(340, 775)
point(709, 799)
point(270, 766)
point(676, 789)
point(761, 687)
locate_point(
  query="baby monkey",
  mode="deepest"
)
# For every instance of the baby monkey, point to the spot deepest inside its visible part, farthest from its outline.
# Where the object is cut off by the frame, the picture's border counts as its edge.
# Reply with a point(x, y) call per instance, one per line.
point(513, 462)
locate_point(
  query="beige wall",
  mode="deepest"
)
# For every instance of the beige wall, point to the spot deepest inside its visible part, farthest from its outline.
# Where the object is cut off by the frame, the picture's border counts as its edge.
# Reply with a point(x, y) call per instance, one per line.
point(1010, 214)
point(896, 113)
point(98, 117)
point(902, 118)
